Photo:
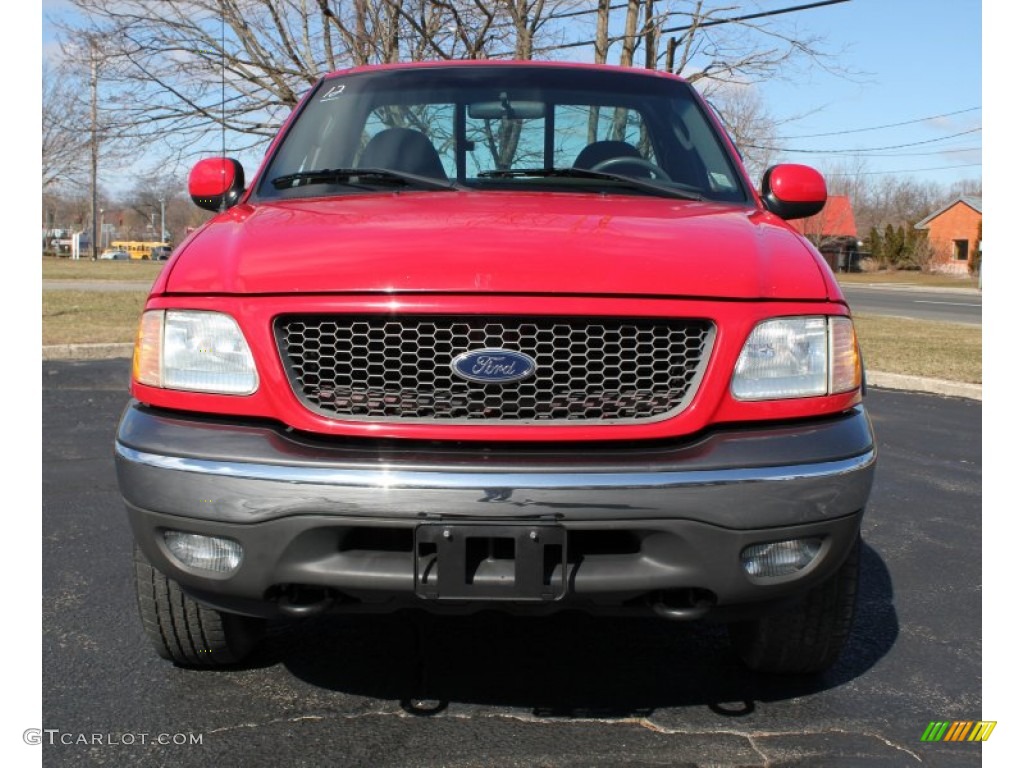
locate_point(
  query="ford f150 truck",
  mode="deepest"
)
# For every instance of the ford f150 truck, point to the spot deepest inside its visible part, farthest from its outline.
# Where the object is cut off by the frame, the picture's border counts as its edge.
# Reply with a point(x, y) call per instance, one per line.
point(501, 335)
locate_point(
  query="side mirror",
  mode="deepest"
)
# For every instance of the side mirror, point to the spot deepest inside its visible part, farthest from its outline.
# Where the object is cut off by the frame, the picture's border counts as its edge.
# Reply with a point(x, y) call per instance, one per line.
point(216, 183)
point(793, 191)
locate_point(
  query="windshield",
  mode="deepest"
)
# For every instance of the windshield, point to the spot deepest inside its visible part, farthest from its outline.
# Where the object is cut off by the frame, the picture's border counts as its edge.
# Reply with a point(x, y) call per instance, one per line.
point(502, 127)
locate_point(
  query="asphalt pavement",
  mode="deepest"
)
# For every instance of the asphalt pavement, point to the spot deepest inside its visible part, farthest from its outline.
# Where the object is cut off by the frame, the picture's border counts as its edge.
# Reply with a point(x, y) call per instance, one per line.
point(491, 690)
point(954, 306)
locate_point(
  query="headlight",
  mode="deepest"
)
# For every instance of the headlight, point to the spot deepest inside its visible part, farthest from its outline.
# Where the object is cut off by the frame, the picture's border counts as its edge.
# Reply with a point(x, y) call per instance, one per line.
point(797, 357)
point(193, 350)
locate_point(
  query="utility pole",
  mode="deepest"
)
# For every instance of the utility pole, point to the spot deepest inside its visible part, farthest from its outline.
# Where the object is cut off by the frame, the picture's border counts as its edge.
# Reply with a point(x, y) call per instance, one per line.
point(94, 140)
point(163, 227)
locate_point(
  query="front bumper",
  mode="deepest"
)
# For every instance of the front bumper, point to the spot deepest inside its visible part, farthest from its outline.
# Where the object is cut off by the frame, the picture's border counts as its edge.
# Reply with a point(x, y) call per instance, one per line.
point(649, 527)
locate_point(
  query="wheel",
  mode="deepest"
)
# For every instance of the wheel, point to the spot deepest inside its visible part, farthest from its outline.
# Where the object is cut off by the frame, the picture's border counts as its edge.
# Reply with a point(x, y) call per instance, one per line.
point(807, 638)
point(625, 163)
point(186, 632)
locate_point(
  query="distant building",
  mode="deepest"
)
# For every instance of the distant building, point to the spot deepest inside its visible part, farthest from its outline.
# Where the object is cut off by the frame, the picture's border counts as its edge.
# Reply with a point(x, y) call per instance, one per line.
point(953, 234)
point(834, 231)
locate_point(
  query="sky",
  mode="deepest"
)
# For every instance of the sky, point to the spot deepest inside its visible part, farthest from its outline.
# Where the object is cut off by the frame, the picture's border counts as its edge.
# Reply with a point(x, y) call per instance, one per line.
point(906, 60)
point(914, 59)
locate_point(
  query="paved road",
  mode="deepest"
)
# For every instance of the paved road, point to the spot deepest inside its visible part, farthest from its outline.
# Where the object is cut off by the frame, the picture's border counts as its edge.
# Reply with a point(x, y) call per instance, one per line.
point(411, 690)
point(139, 286)
point(947, 306)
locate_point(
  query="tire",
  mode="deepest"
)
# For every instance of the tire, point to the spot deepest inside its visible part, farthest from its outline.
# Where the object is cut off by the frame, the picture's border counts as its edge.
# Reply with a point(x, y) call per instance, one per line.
point(185, 631)
point(807, 638)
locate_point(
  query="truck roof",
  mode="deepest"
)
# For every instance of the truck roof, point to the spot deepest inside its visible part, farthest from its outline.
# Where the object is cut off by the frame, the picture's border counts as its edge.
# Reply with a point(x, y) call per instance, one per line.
point(442, 63)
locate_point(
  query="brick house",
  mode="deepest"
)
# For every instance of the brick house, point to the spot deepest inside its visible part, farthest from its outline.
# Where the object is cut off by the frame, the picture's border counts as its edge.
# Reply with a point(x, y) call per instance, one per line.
point(953, 234)
point(833, 230)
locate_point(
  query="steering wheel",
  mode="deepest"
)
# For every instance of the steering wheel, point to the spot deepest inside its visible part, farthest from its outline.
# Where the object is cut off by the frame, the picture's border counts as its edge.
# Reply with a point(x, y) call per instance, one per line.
point(626, 163)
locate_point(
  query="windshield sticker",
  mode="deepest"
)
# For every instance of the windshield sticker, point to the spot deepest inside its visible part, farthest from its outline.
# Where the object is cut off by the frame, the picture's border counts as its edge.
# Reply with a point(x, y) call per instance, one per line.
point(333, 93)
point(720, 180)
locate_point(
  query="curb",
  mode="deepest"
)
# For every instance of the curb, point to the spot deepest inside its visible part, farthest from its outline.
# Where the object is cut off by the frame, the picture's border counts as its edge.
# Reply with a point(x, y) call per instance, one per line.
point(921, 384)
point(87, 351)
point(968, 290)
point(875, 379)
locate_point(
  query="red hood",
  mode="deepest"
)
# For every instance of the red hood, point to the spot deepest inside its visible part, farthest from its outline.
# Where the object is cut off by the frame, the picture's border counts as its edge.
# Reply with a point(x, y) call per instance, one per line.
point(495, 242)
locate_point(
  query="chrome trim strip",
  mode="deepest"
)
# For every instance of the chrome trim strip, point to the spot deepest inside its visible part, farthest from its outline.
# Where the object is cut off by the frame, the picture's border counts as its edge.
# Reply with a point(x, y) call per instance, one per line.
point(386, 478)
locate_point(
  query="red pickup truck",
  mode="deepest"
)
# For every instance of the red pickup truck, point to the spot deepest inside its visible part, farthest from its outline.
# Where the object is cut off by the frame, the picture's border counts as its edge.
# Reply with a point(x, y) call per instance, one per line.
point(498, 335)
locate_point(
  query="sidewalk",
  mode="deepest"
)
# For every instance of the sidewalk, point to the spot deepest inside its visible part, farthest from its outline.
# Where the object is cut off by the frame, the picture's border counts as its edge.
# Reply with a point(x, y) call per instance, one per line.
point(967, 290)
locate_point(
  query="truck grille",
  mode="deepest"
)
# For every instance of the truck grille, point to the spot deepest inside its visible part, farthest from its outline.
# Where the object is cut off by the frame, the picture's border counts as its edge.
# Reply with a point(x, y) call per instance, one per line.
point(392, 368)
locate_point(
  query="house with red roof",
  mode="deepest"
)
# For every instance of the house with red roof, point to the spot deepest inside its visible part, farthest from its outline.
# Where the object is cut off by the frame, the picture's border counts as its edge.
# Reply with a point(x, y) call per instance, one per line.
point(954, 233)
point(833, 230)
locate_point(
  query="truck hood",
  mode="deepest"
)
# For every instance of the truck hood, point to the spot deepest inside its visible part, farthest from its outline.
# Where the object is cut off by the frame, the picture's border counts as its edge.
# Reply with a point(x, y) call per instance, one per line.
point(498, 242)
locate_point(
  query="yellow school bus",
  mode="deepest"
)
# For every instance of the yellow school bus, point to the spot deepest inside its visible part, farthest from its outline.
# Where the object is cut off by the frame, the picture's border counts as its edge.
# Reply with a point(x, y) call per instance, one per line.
point(137, 249)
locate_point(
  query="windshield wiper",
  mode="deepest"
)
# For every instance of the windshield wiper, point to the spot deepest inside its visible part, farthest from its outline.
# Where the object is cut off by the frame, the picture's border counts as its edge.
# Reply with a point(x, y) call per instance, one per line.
point(647, 185)
point(370, 175)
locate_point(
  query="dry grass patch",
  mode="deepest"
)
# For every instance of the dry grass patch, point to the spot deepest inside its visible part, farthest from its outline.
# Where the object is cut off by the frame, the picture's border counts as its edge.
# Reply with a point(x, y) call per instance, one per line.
point(89, 317)
point(86, 269)
point(920, 348)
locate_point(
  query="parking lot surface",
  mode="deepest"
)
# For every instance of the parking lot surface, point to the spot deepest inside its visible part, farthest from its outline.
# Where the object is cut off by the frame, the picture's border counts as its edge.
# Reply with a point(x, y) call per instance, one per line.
point(493, 690)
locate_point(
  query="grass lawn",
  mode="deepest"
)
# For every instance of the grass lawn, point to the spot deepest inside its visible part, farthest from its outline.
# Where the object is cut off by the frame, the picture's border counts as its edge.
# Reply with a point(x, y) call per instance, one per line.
point(86, 269)
point(91, 317)
point(920, 348)
point(905, 277)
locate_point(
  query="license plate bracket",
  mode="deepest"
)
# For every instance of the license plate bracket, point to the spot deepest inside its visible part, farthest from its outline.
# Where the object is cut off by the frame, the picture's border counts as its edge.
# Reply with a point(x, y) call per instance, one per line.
point(523, 562)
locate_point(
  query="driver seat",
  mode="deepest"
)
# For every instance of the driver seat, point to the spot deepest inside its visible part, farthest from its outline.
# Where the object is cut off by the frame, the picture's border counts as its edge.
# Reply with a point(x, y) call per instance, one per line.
point(403, 149)
point(599, 151)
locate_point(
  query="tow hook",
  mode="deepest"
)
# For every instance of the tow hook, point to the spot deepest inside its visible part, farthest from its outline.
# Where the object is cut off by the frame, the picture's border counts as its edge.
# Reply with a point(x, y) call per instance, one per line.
point(682, 604)
point(300, 601)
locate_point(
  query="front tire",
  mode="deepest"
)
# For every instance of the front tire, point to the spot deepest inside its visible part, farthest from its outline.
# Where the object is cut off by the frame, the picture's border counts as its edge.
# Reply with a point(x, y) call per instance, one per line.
point(185, 631)
point(807, 638)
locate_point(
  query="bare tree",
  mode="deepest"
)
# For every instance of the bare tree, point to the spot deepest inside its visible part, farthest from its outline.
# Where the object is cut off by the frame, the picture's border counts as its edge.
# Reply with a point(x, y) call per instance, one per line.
point(180, 69)
point(750, 124)
point(898, 200)
point(65, 143)
point(629, 39)
point(183, 76)
point(601, 41)
point(141, 207)
point(713, 43)
point(850, 177)
point(966, 187)
point(725, 52)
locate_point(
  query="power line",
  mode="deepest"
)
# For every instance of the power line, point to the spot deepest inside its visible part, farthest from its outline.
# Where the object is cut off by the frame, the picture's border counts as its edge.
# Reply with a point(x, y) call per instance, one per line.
point(877, 127)
point(699, 25)
point(586, 11)
point(906, 170)
point(856, 151)
point(761, 15)
point(898, 154)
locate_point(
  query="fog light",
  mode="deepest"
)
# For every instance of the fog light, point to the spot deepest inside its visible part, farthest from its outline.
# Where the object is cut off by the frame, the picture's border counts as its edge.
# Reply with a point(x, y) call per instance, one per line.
point(208, 553)
point(779, 558)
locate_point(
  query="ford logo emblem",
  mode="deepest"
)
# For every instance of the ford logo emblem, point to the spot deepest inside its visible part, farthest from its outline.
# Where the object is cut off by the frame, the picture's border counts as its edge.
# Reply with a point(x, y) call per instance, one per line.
point(493, 366)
